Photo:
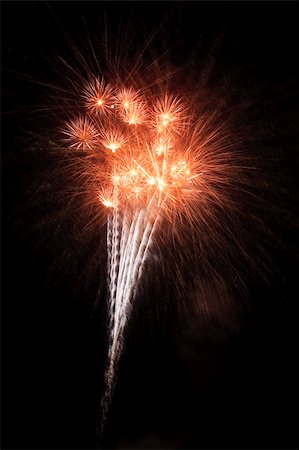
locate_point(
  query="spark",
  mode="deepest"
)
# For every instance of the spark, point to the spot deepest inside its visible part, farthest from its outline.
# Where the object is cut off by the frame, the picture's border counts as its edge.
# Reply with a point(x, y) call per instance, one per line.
point(113, 139)
point(81, 134)
point(108, 202)
point(135, 113)
point(162, 145)
point(169, 115)
point(98, 97)
point(127, 98)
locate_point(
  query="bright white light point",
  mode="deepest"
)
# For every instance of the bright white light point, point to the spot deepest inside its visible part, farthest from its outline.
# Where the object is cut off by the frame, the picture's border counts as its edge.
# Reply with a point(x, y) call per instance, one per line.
point(161, 184)
point(165, 120)
point(113, 146)
point(151, 181)
point(108, 203)
point(157, 181)
point(132, 121)
point(100, 102)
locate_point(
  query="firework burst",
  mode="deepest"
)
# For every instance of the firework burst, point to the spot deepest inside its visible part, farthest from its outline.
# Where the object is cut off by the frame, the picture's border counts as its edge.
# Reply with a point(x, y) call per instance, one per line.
point(81, 134)
point(154, 162)
point(151, 170)
point(98, 97)
point(169, 173)
point(152, 178)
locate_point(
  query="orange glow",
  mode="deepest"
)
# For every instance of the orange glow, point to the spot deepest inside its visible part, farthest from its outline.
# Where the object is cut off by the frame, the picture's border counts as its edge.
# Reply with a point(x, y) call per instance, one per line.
point(153, 159)
point(135, 114)
point(113, 140)
point(81, 134)
point(107, 200)
point(98, 97)
point(108, 203)
point(169, 115)
point(127, 98)
point(162, 145)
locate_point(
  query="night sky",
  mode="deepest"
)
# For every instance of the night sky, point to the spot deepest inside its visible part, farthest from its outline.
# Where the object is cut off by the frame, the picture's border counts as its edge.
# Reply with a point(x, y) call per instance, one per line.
point(192, 382)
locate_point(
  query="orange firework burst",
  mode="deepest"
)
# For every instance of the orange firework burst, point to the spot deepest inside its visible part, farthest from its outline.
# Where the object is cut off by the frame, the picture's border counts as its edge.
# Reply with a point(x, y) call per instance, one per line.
point(81, 134)
point(169, 115)
point(113, 139)
point(150, 159)
point(173, 179)
point(127, 97)
point(163, 173)
point(98, 97)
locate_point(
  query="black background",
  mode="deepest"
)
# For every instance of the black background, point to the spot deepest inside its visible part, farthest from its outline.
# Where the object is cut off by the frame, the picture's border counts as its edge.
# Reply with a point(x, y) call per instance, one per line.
point(52, 351)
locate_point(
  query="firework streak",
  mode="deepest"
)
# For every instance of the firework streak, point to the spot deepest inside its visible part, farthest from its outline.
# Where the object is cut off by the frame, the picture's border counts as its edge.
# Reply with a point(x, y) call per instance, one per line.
point(154, 160)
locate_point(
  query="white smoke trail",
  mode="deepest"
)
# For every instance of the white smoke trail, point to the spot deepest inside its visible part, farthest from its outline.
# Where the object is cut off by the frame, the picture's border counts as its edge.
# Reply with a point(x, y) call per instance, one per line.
point(129, 238)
